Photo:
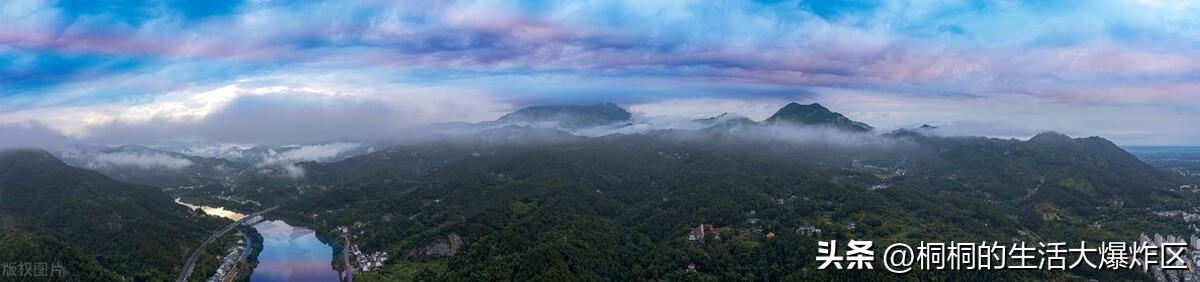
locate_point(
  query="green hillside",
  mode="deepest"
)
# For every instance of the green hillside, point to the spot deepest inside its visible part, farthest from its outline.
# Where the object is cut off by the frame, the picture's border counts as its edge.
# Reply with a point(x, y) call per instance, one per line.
point(102, 228)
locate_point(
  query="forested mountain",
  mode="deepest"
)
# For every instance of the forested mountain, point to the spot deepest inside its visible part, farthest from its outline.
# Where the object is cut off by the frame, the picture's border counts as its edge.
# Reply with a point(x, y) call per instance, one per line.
point(515, 199)
point(150, 166)
point(815, 114)
point(538, 205)
point(96, 227)
point(21, 242)
point(568, 116)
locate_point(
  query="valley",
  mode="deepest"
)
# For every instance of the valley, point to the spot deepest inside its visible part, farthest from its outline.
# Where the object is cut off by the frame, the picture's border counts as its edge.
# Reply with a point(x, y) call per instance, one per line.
point(524, 140)
point(531, 200)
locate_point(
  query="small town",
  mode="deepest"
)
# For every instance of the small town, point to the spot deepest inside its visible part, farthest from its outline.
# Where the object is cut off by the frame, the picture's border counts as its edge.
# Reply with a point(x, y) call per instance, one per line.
point(1192, 273)
point(231, 263)
point(1186, 216)
point(361, 261)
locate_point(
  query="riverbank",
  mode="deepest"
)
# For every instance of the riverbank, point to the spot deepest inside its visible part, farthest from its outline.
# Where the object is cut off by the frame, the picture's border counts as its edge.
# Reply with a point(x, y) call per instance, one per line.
point(280, 251)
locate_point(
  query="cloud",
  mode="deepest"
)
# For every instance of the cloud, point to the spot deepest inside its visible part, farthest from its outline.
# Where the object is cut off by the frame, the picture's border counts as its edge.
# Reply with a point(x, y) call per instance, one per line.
point(30, 135)
point(262, 71)
point(823, 137)
point(1021, 116)
point(818, 135)
point(319, 153)
point(285, 162)
point(954, 47)
point(755, 109)
point(142, 160)
point(1132, 122)
point(245, 114)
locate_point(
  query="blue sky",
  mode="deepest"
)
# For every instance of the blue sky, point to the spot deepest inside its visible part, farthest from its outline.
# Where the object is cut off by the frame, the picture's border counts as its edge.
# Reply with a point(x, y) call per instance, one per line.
point(303, 71)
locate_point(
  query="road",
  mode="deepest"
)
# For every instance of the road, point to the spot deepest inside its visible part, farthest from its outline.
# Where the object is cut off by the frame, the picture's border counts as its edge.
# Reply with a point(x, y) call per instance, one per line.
point(191, 262)
point(245, 258)
point(349, 277)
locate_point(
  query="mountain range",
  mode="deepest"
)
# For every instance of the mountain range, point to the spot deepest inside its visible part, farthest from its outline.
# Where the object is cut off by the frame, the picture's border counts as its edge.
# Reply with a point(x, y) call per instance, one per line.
point(541, 203)
point(528, 197)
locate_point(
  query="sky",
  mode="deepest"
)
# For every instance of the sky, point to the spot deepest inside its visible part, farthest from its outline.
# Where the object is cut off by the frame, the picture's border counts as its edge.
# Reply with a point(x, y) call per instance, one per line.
point(265, 71)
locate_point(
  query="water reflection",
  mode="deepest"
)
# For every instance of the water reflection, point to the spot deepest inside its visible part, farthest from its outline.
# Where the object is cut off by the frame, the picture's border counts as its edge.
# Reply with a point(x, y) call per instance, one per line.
point(290, 253)
point(217, 211)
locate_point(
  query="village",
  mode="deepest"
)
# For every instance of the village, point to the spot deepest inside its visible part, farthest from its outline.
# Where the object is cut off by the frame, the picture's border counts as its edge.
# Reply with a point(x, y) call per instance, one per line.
point(706, 232)
point(1188, 188)
point(361, 261)
point(231, 264)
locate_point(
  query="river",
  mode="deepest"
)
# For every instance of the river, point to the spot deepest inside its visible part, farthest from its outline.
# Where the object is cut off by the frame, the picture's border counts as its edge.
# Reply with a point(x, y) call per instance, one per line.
point(290, 253)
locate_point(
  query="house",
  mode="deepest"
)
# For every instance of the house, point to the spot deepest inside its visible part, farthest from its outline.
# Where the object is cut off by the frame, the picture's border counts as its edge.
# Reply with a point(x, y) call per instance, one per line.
point(757, 230)
point(691, 267)
point(808, 230)
point(697, 234)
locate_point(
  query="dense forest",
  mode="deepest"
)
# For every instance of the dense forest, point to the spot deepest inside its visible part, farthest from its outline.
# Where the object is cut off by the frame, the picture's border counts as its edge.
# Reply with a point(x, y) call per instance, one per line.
point(620, 207)
point(511, 202)
point(97, 229)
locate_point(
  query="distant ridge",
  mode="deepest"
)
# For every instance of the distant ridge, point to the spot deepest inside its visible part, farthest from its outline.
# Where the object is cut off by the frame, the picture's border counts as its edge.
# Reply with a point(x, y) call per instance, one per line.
point(569, 116)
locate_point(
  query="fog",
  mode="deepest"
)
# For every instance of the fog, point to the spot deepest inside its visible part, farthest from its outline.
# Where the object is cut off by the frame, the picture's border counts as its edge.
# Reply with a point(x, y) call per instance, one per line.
point(284, 163)
point(268, 116)
point(30, 135)
point(727, 127)
point(363, 126)
point(142, 160)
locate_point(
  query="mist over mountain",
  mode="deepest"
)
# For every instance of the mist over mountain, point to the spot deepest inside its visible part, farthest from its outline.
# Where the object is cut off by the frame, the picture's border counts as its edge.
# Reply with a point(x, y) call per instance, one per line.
point(502, 189)
point(197, 165)
point(194, 165)
point(560, 171)
point(99, 227)
point(546, 141)
point(570, 117)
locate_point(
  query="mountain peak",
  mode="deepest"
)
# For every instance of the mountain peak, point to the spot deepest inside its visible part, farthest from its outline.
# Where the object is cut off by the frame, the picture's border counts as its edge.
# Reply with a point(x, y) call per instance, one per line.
point(570, 116)
point(31, 156)
point(713, 119)
point(797, 106)
point(1050, 137)
point(816, 114)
